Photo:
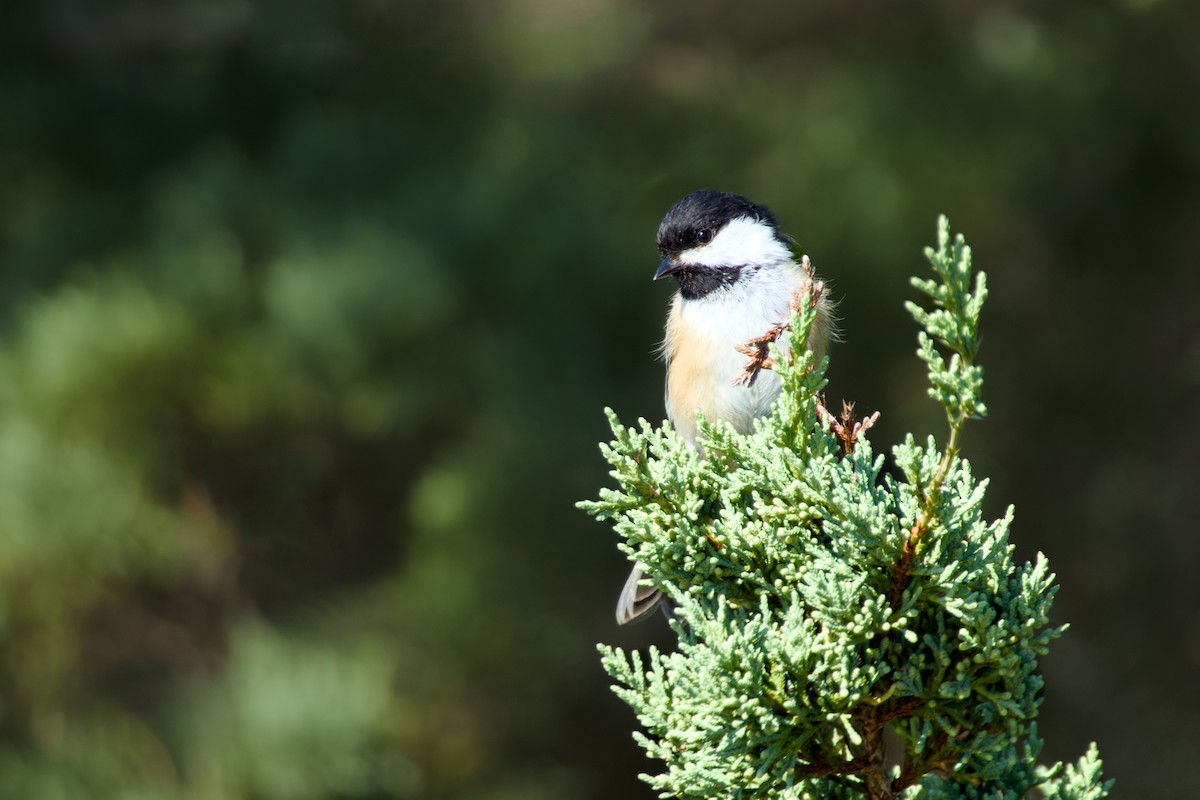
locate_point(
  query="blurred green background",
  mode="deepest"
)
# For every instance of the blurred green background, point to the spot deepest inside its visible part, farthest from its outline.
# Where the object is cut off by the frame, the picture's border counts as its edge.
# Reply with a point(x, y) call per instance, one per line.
point(309, 312)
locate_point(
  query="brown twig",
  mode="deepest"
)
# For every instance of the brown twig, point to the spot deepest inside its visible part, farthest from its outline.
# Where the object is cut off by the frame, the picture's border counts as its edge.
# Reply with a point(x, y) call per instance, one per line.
point(914, 769)
point(869, 764)
point(871, 727)
point(758, 350)
point(929, 501)
point(846, 426)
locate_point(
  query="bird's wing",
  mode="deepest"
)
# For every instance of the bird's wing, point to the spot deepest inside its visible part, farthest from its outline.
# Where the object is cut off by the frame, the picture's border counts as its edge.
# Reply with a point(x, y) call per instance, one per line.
point(636, 600)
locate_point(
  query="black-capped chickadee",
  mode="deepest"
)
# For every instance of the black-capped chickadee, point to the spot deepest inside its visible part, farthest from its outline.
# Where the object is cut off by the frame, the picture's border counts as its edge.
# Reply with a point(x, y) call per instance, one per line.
point(737, 279)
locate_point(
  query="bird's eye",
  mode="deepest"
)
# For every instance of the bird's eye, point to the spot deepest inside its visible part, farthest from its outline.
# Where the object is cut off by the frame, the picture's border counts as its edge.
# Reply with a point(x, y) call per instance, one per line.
point(704, 236)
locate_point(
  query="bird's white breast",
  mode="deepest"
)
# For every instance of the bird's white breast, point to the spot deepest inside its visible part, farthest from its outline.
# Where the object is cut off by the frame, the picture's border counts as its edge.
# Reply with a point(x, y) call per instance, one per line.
point(703, 335)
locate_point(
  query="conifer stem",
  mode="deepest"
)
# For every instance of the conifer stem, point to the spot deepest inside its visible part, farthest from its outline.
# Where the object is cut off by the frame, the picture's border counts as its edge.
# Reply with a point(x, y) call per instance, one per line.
point(929, 503)
point(874, 767)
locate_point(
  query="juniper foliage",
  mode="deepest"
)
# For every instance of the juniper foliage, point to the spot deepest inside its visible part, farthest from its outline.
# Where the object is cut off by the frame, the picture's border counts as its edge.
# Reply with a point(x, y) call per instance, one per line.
point(820, 601)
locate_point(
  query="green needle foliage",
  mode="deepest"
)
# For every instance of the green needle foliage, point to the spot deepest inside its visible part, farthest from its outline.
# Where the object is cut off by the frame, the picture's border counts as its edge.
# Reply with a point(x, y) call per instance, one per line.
point(820, 602)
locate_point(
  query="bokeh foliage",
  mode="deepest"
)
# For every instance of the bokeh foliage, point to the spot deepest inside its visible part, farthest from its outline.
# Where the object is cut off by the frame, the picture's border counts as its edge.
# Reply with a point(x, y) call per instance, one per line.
point(308, 308)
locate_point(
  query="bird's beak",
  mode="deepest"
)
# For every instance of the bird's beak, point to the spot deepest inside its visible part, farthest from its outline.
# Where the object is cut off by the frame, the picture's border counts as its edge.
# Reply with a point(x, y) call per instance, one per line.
point(667, 267)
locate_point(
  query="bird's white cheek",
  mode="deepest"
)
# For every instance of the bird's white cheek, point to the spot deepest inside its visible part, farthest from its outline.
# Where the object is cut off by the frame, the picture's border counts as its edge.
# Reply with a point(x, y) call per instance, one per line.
point(742, 241)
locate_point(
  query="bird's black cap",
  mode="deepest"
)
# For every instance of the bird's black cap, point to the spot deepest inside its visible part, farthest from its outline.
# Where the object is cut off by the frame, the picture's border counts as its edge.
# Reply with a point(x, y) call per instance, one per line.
point(705, 210)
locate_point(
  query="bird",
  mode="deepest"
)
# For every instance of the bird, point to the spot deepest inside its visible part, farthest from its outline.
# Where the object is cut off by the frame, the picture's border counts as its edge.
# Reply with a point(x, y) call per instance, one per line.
point(737, 278)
